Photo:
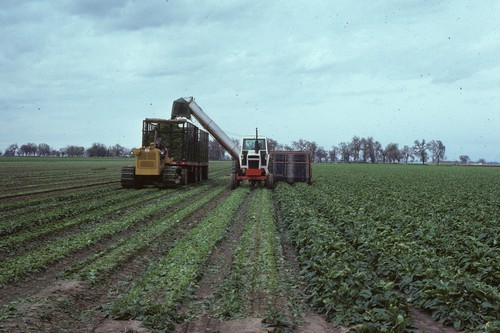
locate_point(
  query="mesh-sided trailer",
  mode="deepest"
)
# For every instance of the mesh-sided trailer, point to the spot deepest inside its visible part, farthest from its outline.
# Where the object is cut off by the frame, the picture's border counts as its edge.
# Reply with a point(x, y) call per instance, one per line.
point(181, 140)
point(291, 166)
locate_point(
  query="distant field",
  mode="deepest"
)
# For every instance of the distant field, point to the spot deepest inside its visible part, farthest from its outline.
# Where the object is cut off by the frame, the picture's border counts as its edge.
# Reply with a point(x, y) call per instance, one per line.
point(371, 248)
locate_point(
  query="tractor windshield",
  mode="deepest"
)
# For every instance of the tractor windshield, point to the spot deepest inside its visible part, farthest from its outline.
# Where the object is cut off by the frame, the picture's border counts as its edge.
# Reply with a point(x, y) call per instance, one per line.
point(250, 144)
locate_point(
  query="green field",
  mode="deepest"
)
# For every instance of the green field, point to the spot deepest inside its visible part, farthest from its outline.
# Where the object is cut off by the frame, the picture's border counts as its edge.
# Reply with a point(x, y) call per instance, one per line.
point(366, 248)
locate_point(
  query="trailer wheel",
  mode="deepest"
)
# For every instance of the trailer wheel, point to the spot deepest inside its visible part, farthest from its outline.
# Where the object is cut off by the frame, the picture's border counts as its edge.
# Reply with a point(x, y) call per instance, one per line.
point(169, 177)
point(270, 181)
point(184, 176)
point(204, 172)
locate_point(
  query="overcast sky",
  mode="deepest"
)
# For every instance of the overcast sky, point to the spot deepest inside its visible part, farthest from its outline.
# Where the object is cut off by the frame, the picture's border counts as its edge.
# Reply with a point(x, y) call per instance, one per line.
point(84, 71)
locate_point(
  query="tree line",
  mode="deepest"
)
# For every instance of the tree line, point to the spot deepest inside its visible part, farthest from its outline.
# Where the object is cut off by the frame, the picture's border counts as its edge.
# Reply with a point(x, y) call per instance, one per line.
point(359, 150)
point(369, 150)
point(43, 149)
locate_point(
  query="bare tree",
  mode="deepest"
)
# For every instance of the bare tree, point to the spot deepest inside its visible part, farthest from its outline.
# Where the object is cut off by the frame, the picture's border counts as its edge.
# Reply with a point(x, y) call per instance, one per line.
point(356, 148)
point(365, 151)
point(272, 144)
point(11, 150)
point(117, 150)
point(406, 153)
point(383, 154)
point(370, 149)
point(333, 154)
point(312, 147)
point(321, 154)
point(300, 145)
point(345, 152)
point(420, 150)
point(378, 152)
point(97, 150)
point(43, 149)
point(437, 150)
point(481, 161)
point(28, 149)
point(392, 153)
point(304, 145)
point(464, 159)
point(215, 151)
point(73, 151)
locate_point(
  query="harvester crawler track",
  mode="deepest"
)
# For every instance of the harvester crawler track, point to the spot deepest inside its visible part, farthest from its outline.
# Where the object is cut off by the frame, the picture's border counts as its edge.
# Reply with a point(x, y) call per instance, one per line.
point(170, 177)
point(128, 178)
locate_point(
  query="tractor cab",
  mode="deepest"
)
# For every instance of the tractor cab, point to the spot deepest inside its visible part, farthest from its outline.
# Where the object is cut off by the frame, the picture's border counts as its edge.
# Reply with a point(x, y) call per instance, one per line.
point(254, 157)
point(253, 162)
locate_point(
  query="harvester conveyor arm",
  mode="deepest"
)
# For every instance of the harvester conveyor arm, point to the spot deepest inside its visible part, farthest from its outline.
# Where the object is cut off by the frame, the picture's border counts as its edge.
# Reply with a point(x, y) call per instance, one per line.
point(185, 107)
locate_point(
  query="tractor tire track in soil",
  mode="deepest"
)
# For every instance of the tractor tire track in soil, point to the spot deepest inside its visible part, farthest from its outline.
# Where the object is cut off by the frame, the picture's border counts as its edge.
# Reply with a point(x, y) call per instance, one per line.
point(79, 306)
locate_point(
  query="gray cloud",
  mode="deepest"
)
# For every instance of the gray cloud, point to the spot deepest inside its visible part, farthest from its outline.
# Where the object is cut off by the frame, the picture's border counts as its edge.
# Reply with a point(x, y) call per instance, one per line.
point(323, 71)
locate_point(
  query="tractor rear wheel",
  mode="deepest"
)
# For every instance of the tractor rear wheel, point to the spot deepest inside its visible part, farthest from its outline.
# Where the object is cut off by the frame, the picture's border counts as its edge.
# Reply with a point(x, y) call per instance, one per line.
point(233, 181)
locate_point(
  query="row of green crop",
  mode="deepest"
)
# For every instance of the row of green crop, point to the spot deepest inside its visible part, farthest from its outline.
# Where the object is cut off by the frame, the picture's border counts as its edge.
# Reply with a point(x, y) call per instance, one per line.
point(44, 214)
point(86, 212)
point(451, 235)
point(54, 187)
point(13, 208)
point(258, 272)
point(431, 246)
point(437, 248)
point(53, 181)
point(154, 297)
point(106, 227)
point(340, 283)
point(102, 263)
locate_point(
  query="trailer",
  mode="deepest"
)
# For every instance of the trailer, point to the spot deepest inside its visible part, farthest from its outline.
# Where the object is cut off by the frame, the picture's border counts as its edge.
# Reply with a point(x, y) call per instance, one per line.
point(291, 166)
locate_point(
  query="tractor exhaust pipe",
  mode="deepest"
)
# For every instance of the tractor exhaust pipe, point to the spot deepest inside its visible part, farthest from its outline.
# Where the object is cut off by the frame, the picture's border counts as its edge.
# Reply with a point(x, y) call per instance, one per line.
point(256, 145)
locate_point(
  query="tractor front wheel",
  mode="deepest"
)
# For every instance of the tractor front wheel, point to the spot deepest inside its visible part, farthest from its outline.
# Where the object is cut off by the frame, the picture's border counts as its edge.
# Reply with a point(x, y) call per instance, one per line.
point(234, 182)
